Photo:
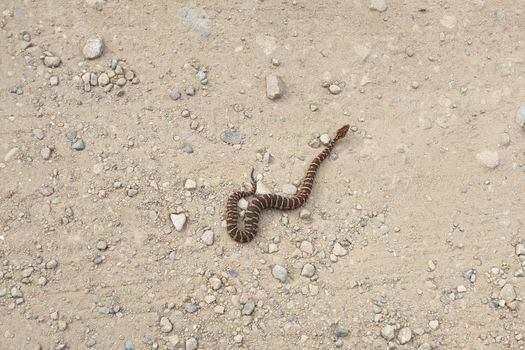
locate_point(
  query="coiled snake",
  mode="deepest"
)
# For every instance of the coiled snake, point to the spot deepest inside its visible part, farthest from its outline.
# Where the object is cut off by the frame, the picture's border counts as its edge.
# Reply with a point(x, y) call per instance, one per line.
point(272, 201)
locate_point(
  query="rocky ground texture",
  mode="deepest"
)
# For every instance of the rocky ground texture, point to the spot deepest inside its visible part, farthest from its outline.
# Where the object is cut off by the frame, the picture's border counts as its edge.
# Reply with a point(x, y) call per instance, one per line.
point(126, 125)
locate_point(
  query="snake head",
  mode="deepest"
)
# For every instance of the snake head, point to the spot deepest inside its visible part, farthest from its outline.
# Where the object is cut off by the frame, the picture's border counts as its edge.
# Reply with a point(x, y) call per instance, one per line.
point(342, 132)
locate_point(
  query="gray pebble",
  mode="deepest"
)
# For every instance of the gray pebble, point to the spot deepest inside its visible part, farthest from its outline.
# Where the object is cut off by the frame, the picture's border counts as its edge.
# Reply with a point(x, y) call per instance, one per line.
point(190, 91)
point(129, 345)
point(308, 270)
point(102, 245)
point(187, 149)
point(231, 137)
point(94, 48)
point(404, 335)
point(520, 249)
point(38, 133)
point(16, 293)
point(388, 332)
point(274, 87)
point(334, 89)
point(3, 292)
point(248, 308)
point(90, 343)
point(105, 310)
point(26, 36)
point(341, 332)
point(489, 159)
point(16, 89)
point(470, 275)
point(201, 75)
point(52, 61)
point(52, 264)
point(520, 116)
point(79, 145)
point(173, 255)
point(165, 325)
point(280, 273)
point(325, 139)
point(71, 135)
point(190, 308)
point(174, 94)
point(191, 344)
point(507, 293)
point(378, 5)
point(120, 93)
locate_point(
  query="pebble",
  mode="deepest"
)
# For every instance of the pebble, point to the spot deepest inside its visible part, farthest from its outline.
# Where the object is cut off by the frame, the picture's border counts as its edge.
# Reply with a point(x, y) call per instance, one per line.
point(305, 214)
point(190, 91)
point(190, 308)
point(16, 293)
point(173, 340)
point(489, 159)
point(325, 139)
point(507, 293)
point(102, 245)
point(274, 87)
point(94, 48)
point(404, 335)
point(165, 325)
point(47, 191)
point(90, 343)
point(103, 79)
point(231, 137)
point(71, 135)
point(243, 204)
point(280, 273)
point(378, 5)
point(208, 237)
point(52, 264)
point(187, 149)
point(53, 81)
point(461, 289)
point(520, 116)
point(121, 81)
point(174, 94)
point(78, 145)
point(248, 308)
point(46, 153)
point(128, 345)
point(191, 344)
point(425, 346)
point(339, 250)
point(341, 332)
point(520, 249)
point(434, 324)
point(308, 270)
point(215, 283)
point(15, 89)
point(38, 134)
point(307, 247)
point(3, 292)
point(52, 61)
point(190, 184)
point(201, 75)
point(388, 332)
point(178, 221)
point(334, 89)
point(289, 189)
point(238, 338)
point(10, 154)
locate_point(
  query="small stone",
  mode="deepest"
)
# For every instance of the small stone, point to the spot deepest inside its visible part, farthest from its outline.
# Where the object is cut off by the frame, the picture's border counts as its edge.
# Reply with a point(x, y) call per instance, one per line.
point(52, 264)
point(190, 91)
point(191, 344)
point(121, 81)
point(187, 149)
point(215, 283)
point(434, 324)
point(289, 189)
point(103, 79)
point(308, 270)
point(16, 293)
point(52, 61)
point(174, 94)
point(314, 108)
point(165, 325)
point(520, 249)
point(201, 75)
point(384, 229)
point(10, 154)
point(243, 204)
point(190, 184)
point(307, 247)
point(120, 93)
point(461, 289)
point(190, 308)
point(414, 84)
point(341, 332)
point(94, 48)
point(378, 5)
point(102, 245)
point(71, 135)
point(238, 338)
point(208, 237)
point(3, 292)
point(78, 145)
point(42, 281)
point(409, 51)
point(388, 332)
point(404, 335)
point(325, 139)
point(490, 159)
point(130, 75)
point(339, 250)
point(173, 340)
point(280, 273)
point(274, 87)
point(178, 221)
point(219, 309)
point(27, 272)
point(507, 293)
point(248, 308)
point(62, 325)
point(231, 137)
point(334, 89)
point(47, 191)
point(305, 214)
point(46, 153)
point(520, 116)
point(90, 343)
point(53, 80)
point(128, 345)
point(276, 62)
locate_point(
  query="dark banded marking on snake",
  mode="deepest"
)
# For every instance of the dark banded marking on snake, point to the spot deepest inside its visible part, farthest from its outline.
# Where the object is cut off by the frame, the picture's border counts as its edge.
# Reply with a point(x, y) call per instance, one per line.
point(272, 201)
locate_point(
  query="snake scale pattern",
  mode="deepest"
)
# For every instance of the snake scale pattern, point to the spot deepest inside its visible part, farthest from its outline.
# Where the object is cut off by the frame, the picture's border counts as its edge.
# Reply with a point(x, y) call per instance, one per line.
point(272, 201)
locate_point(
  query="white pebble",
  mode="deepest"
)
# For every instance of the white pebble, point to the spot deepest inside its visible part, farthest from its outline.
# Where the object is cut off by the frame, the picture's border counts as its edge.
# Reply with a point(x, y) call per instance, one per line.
point(190, 184)
point(339, 250)
point(325, 139)
point(178, 221)
point(490, 159)
point(208, 237)
point(274, 87)
point(280, 273)
point(308, 270)
point(289, 189)
point(93, 48)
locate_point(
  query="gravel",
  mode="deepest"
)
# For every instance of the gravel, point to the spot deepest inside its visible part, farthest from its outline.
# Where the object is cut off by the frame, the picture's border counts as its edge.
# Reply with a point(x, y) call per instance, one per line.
point(187, 149)
point(274, 87)
point(520, 116)
point(178, 220)
point(78, 145)
point(507, 293)
point(434, 324)
point(334, 89)
point(489, 159)
point(325, 139)
point(175, 94)
point(280, 273)
point(191, 344)
point(378, 5)
point(248, 308)
point(231, 137)
point(208, 237)
point(388, 332)
point(404, 335)
point(520, 249)
point(308, 270)
point(93, 48)
point(128, 345)
point(339, 250)
point(165, 325)
point(341, 332)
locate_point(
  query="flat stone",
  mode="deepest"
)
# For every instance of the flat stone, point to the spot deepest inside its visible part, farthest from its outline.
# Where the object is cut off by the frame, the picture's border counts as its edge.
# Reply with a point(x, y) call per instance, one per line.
point(165, 325)
point(94, 48)
point(289, 189)
point(339, 250)
point(274, 87)
point(307, 247)
point(335, 89)
point(388, 332)
point(520, 249)
point(308, 270)
point(78, 145)
point(11, 154)
point(404, 335)
point(178, 221)
point(520, 116)
point(280, 273)
point(191, 344)
point(208, 237)
point(38, 134)
point(489, 159)
point(103, 79)
point(231, 137)
point(189, 184)
point(378, 5)
point(507, 293)
point(341, 332)
point(248, 308)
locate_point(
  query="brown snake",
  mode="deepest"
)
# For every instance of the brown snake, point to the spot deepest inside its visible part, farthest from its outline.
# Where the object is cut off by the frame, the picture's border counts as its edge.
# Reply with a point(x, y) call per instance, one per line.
point(272, 201)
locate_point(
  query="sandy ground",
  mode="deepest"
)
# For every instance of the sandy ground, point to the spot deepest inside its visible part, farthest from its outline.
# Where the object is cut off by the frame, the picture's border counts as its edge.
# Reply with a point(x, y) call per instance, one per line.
point(411, 237)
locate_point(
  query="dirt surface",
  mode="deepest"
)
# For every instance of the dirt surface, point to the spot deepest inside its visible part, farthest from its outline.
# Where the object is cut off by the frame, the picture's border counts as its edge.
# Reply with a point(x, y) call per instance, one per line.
point(411, 238)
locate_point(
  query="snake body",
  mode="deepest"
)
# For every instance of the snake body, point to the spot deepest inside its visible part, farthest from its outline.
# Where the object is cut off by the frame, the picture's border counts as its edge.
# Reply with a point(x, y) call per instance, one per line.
point(272, 201)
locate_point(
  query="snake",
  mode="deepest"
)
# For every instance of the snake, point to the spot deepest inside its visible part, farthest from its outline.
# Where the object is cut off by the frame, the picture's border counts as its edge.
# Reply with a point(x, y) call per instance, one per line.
point(272, 201)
